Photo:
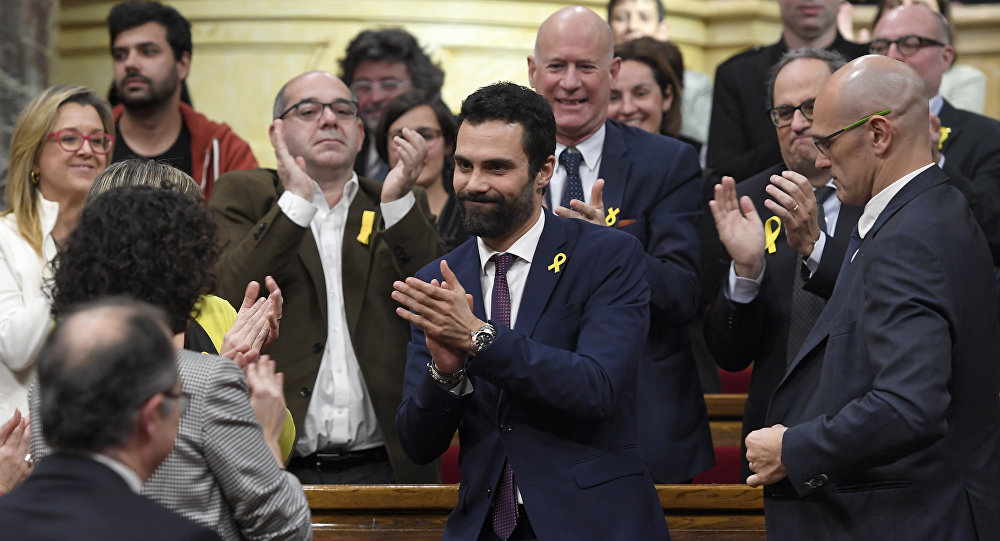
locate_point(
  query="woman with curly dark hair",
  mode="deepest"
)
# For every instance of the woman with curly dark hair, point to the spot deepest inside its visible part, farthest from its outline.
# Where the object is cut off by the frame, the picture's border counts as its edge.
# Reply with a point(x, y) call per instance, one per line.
point(159, 246)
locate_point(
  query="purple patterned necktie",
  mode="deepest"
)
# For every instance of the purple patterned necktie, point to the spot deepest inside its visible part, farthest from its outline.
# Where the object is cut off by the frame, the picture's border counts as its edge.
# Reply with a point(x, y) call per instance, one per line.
point(505, 510)
point(570, 158)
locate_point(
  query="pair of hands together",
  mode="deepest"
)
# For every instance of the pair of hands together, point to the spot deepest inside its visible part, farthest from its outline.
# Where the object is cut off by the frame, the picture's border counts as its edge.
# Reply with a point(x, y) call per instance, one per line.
point(255, 329)
point(410, 147)
point(742, 231)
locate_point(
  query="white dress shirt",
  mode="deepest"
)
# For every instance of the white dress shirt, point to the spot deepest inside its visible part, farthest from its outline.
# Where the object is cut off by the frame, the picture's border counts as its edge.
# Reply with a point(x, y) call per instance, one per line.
point(877, 204)
point(591, 149)
point(340, 414)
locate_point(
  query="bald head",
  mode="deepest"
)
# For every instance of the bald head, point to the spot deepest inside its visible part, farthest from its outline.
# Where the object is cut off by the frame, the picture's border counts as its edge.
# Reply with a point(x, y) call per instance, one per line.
point(869, 151)
point(574, 68)
point(576, 20)
point(874, 83)
point(281, 100)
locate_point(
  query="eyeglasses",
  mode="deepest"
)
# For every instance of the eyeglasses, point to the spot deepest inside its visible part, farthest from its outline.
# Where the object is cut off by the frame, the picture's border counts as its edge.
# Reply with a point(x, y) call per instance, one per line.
point(365, 87)
point(823, 143)
point(782, 115)
point(183, 399)
point(311, 110)
point(907, 45)
point(429, 134)
point(71, 140)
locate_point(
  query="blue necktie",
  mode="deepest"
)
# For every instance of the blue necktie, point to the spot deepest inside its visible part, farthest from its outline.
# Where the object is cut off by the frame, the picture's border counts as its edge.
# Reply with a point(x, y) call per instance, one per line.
point(806, 306)
point(570, 158)
point(505, 510)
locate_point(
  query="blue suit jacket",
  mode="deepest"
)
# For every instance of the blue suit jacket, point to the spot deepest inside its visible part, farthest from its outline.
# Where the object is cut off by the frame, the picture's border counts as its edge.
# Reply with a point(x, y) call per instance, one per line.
point(555, 395)
point(654, 183)
point(892, 402)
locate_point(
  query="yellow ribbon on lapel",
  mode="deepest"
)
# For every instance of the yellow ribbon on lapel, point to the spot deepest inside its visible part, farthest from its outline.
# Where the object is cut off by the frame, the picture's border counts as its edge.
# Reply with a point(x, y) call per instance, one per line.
point(367, 223)
point(945, 132)
point(771, 229)
point(612, 216)
point(557, 262)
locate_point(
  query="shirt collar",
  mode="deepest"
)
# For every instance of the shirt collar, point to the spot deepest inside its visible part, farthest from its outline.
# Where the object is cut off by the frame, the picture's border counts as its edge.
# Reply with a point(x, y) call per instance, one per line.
point(877, 204)
point(130, 477)
point(590, 147)
point(936, 103)
point(523, 248)
point(350, 190)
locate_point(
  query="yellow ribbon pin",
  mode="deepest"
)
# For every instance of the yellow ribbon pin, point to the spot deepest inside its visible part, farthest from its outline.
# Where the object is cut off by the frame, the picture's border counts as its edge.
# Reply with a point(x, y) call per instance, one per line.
point(557, 261)
point(612, 216)
point(771, 229)
point(945, 132)
point(367, 223)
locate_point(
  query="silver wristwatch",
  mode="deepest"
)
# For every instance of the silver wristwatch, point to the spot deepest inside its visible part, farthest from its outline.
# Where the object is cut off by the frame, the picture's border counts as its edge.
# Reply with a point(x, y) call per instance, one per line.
point(482, 338)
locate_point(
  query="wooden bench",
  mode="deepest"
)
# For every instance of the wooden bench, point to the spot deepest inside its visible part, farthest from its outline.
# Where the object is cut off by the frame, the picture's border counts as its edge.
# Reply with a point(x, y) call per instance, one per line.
point(725, 418)
point(419, 512)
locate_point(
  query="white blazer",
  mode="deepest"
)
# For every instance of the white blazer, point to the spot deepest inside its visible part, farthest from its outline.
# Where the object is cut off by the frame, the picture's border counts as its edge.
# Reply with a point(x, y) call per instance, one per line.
point(24, 305)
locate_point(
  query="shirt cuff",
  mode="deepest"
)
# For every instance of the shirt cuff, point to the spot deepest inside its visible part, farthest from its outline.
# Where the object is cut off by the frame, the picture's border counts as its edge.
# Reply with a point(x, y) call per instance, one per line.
point(812, 262)
point(394, 211)
point(743, 290)
point(463, 388)
point(298, 210)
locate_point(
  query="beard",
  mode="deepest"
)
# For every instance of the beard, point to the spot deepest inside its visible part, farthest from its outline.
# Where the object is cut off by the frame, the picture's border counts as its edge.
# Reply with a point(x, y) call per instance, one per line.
point(156, 94)
point(501, 220)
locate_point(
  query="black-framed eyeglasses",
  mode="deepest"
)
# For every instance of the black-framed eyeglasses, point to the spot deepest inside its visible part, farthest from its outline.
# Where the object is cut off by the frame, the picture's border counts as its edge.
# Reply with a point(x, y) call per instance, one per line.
point(907, 45)
point(71, 140)
point(387, 85)
point(183, 399)
point(823, 143)
point(782, 115)
point(429, 134)
point(310, 110)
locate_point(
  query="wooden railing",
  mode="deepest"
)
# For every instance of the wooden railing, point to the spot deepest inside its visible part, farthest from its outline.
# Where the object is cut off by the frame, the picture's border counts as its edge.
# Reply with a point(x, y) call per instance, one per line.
point(419, 512)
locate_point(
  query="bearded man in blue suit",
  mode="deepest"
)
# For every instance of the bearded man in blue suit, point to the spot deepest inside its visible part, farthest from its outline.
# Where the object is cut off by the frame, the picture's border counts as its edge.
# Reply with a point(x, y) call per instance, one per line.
point(525, 340)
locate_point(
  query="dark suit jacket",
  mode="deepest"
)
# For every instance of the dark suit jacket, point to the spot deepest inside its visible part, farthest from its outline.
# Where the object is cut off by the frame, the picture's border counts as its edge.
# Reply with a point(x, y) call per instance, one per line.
point(740, 334)
point(654, 181)
point(262, 240)
point(892, 402)
point(555, 396)
point(75, 497)
point(741, 137)
point(972, 163)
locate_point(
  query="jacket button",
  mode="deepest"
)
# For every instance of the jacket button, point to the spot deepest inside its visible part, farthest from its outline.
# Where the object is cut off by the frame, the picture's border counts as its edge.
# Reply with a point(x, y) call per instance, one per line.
point(401, 254)
point(446, 408)
point(489, 492)
point(305, 392)
point(317, 347)
point(261, 227)
point(506, 429)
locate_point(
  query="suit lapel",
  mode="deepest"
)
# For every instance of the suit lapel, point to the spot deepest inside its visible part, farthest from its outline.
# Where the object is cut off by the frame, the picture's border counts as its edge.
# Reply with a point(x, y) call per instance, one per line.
point(464, 262)
point(921, 183)
point(541, 280)
point(953, 121)
point(615, 167)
